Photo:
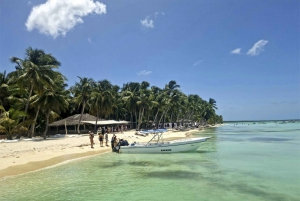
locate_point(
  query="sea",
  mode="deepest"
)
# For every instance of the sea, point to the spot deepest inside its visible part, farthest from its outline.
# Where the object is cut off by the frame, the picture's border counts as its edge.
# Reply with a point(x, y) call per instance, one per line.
point(242, 161)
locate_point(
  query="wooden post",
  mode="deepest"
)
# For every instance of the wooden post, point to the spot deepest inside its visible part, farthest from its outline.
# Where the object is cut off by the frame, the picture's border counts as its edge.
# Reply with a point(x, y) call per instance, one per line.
point(66, 128)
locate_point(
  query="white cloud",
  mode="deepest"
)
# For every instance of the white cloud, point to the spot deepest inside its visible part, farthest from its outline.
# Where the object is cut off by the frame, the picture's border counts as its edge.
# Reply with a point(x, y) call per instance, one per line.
point(90, 40)
point(257, 48)
point(29, 3)
point(198, 62)
point(57, 17)
point(236, 51)
point(156, 14)
point(147, 22)
point(144, 72)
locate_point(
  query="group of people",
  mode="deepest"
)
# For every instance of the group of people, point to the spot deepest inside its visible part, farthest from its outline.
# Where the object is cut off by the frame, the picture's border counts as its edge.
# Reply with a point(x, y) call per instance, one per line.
point(116, 129)
point(102, 135)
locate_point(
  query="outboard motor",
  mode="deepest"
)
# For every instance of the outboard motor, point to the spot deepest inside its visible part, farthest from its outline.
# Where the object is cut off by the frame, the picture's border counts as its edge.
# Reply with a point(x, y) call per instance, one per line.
point(117, 148)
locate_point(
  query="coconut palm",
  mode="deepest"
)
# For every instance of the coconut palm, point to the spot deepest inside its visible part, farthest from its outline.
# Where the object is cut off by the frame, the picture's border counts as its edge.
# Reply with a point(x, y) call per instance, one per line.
point(10, 121)
point(82, 91)
point(4, 92)
point(102, 99)
point(129, 95)
point(144, 101)
point(34, 72)
point(169, 97)
point(36, 103)
point(213, 103)
point(51, 100)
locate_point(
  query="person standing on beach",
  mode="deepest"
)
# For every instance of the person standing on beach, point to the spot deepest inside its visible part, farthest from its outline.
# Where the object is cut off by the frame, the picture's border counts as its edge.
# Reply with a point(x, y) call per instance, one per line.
point(113, 141)
point(122, 128)
point(91, 135)
point(106, 139)
point(101, 139)
point(116, 141)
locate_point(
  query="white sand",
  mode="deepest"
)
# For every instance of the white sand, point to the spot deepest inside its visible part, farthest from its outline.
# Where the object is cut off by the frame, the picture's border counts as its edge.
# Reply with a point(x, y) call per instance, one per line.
point(28, 155)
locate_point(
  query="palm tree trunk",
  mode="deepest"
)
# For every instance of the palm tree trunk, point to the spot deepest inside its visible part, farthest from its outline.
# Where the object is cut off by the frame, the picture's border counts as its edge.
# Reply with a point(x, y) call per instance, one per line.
point(166, 114)
point(131, 120)
point(28, 99)
point(162, 115)
point(47, 124)
point(78, 130)
point(34, 121)
point(156, 116)
point(95, 128)
point(139, 119)
point(136, 120)
point(141, 113)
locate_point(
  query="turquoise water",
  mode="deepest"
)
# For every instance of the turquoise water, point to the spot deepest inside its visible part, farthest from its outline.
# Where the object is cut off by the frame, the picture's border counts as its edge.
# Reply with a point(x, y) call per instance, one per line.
point(241, 162)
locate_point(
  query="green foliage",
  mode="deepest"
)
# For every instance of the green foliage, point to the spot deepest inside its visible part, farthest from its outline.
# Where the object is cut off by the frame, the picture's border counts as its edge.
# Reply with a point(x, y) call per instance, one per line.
point(10, 122)
point(37, 88)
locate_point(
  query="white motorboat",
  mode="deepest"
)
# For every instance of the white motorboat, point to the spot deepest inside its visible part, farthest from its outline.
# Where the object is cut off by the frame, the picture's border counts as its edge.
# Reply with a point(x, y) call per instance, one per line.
point(157, 145)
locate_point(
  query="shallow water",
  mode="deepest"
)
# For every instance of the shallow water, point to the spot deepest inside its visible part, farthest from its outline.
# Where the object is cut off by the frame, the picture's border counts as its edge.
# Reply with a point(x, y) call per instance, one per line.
point(241, 162)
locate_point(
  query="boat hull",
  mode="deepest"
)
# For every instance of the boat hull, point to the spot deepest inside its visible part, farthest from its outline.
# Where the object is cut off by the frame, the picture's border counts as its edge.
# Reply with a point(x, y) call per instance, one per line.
point(170, 147)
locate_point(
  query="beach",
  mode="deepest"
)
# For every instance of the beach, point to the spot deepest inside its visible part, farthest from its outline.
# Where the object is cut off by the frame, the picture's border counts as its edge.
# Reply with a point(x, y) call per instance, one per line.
point(30, 155)
point(241, 161)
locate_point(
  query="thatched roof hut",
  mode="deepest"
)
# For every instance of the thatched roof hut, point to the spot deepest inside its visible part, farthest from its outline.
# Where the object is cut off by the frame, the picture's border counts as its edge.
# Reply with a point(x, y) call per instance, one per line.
point(73, 120)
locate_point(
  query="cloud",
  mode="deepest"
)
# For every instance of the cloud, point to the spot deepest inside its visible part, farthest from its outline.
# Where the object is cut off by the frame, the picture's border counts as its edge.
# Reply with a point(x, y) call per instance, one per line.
point(156, 14)
point(145, 72)
point(257, 48)
point(236, 51)
point(198, 62)
point(29, 3)
point(57, 17)
point(90, 40)
point(147, 22)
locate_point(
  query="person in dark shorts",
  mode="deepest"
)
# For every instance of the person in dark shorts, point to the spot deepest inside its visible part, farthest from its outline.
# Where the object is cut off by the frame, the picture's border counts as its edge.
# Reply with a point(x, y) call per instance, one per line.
point(101, 139)
point(113, 141)
point(106, 139)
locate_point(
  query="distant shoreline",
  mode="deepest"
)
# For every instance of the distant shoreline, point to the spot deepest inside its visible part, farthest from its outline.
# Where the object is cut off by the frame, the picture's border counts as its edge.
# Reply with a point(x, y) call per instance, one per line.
point(296, 120)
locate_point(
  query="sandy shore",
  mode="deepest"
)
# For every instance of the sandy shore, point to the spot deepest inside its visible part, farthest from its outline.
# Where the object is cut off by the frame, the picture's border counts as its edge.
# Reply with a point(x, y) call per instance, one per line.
point(30, 155)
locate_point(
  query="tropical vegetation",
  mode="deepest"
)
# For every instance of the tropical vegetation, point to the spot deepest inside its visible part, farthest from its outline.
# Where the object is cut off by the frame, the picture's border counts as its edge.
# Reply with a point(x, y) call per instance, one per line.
point(36, 94)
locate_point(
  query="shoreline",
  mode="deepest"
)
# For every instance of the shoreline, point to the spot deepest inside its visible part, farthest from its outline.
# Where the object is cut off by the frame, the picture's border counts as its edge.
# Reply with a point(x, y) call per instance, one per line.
point(27, 156)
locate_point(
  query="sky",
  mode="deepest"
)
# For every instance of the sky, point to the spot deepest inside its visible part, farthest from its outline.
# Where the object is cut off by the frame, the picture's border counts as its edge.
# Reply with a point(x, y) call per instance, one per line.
point(244, 54)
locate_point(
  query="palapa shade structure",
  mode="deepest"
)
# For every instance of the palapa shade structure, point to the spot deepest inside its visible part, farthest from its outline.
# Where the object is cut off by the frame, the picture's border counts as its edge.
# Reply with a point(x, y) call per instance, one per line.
point(107, 122)
point(63, 125)
point(73, 120)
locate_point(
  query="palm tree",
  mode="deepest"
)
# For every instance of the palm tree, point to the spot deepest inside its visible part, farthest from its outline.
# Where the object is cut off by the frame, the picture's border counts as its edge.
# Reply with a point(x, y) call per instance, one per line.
point(82, 92)
point(34, 72)
point(169, 96)
point(51, 100)
point(155, 95)
point(102, 99)
point(4, 92)
point(213, 103)
point(10, 121)
point(129, 95)
point(36, 103)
